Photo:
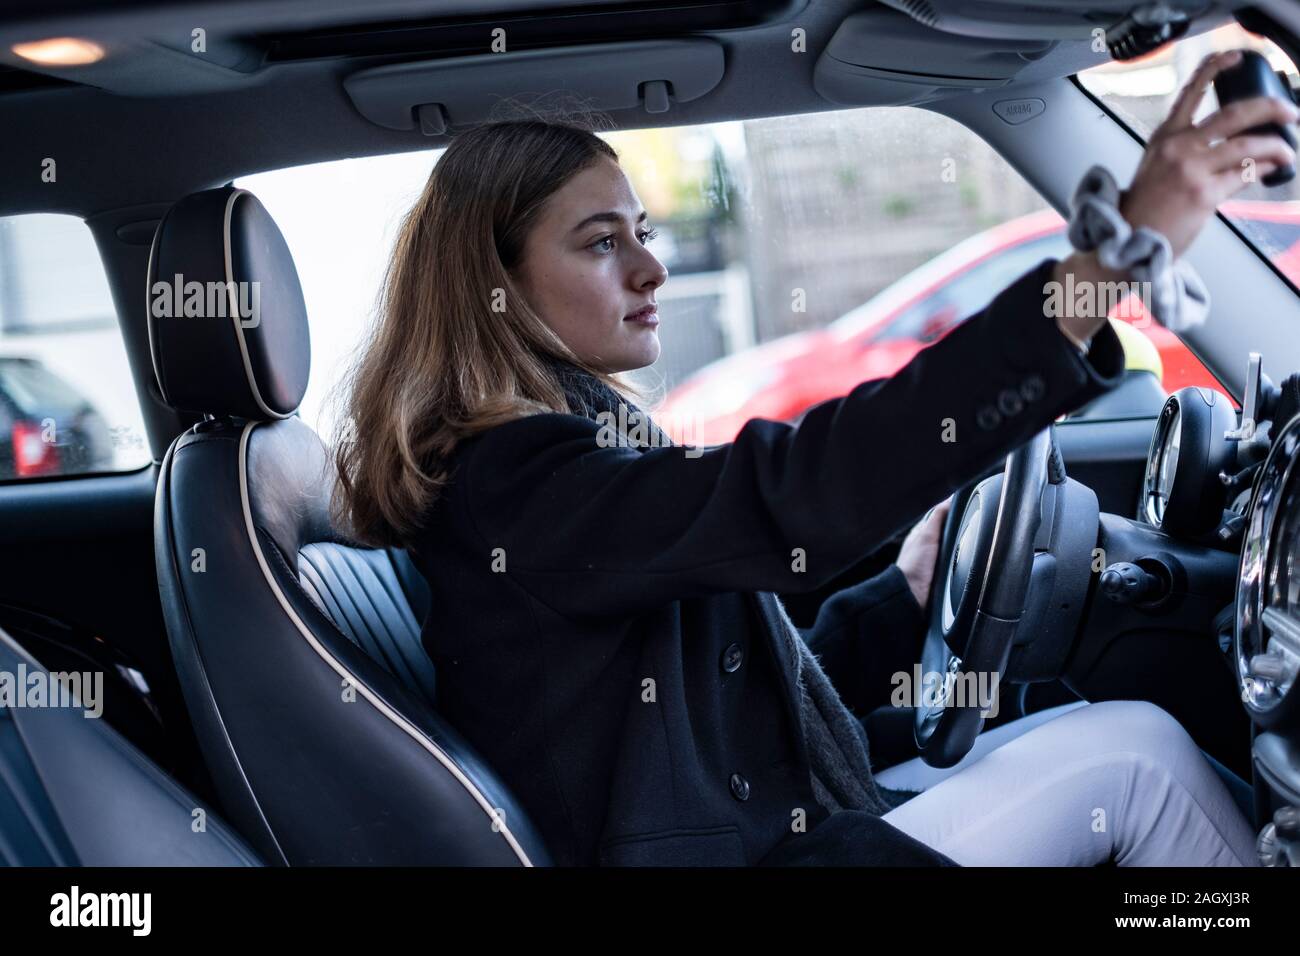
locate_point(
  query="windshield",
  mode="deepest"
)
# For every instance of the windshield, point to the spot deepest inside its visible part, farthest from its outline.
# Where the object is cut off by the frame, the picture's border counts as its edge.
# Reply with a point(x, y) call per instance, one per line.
point(1141, 92)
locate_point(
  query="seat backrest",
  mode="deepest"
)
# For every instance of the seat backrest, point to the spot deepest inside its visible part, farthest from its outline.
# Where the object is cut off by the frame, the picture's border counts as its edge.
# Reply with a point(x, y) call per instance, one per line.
point(75, 792)
point(379, 599)
point(298, 652)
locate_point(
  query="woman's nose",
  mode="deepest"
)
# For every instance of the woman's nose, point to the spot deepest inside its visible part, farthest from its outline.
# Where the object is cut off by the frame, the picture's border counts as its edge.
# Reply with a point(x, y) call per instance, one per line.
point(652, 272)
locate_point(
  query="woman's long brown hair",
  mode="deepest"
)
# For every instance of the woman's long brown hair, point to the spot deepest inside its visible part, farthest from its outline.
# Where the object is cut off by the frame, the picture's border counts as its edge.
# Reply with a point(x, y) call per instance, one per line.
point(456, 348)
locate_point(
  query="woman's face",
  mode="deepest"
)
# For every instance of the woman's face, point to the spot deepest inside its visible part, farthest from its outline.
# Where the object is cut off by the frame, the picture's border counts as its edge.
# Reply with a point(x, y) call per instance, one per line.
point(585, 270)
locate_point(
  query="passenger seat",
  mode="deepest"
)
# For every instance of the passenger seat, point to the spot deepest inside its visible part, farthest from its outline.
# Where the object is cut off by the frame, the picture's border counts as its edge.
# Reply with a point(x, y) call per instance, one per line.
point(74, 792)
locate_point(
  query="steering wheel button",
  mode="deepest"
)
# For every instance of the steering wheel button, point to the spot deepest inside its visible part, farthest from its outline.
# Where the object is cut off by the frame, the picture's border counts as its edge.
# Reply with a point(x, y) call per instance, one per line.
point(988, 418)
point(731, 658)
point(1009, 402)
point(739, 787)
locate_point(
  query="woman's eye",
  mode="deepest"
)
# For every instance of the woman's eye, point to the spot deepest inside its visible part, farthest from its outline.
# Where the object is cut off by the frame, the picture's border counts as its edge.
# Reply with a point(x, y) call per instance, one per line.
point(644, 237)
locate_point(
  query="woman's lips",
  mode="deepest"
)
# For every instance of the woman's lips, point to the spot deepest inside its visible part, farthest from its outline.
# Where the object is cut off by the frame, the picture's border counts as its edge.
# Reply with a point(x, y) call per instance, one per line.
point(648, 317)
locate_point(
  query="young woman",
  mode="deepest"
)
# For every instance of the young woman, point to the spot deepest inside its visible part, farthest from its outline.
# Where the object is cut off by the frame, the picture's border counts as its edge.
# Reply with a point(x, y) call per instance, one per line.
point(602, 620)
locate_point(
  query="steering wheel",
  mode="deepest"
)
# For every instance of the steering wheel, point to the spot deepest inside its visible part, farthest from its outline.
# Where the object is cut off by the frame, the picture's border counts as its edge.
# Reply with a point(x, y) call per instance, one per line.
point(990, 536)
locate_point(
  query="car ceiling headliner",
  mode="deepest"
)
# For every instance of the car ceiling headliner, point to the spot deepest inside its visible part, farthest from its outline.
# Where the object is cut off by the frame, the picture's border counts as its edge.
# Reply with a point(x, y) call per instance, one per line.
point(117, 151)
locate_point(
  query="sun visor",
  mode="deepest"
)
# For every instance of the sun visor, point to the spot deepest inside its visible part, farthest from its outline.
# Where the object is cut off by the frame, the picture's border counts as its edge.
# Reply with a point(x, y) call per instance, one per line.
point(873, 57)
point(432, 95)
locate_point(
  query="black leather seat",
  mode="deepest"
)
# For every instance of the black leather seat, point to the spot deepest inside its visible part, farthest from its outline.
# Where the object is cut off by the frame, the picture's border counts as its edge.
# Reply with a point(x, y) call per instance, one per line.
point(74, 792)
point(377, 598)
point(298, 653)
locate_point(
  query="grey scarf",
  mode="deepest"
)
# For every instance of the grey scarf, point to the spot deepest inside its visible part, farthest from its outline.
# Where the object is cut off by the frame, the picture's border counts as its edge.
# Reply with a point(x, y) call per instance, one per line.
point(836, 740)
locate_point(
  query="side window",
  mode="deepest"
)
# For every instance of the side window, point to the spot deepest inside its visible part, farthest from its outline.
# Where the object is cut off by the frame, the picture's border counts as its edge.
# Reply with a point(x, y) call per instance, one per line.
point(67, 400)
point(954, 302)
point(1158, 362)
point(341, 249)
point(806, 254)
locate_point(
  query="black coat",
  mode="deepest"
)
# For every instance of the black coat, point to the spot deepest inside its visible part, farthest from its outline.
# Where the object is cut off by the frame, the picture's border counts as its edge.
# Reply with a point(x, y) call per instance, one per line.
point(588, 628)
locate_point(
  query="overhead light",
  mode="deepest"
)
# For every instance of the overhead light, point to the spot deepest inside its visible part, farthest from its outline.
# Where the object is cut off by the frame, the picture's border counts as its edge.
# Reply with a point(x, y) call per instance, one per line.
point(60, 51)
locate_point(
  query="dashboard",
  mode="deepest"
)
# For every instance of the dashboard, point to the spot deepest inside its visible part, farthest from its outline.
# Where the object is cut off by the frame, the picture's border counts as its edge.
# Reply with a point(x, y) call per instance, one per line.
point(1214, 547)
point(1266, 647)
point(1212, 480)
point(1182, 493)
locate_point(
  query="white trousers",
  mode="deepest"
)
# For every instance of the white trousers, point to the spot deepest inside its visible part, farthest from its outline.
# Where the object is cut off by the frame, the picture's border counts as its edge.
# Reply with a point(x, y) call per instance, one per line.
point(1077, 785)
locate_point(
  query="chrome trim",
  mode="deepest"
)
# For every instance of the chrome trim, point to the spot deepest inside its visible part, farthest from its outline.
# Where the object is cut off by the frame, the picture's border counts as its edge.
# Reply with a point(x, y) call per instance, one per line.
point(1257, 629)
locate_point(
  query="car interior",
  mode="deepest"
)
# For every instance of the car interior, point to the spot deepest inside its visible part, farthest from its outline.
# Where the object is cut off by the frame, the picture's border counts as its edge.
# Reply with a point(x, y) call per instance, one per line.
point(266, 699)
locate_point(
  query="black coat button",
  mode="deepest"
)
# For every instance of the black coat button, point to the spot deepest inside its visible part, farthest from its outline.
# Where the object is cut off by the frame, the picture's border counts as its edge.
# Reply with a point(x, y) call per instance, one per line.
point(739, 787)
point(1010, 402)
point(1032, 388)
point(988, 418)
point(731, 658)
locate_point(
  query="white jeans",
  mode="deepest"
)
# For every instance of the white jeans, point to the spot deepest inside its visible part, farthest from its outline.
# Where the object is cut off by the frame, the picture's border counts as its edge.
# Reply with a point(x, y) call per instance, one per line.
point(1077, 785)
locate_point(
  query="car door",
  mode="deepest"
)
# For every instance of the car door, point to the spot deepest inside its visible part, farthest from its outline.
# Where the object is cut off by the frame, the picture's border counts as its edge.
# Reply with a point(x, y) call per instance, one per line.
point(78, 589)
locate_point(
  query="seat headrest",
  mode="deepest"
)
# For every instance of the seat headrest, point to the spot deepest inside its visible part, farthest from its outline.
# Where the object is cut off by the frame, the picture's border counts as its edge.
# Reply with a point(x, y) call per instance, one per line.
point(227, 320)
